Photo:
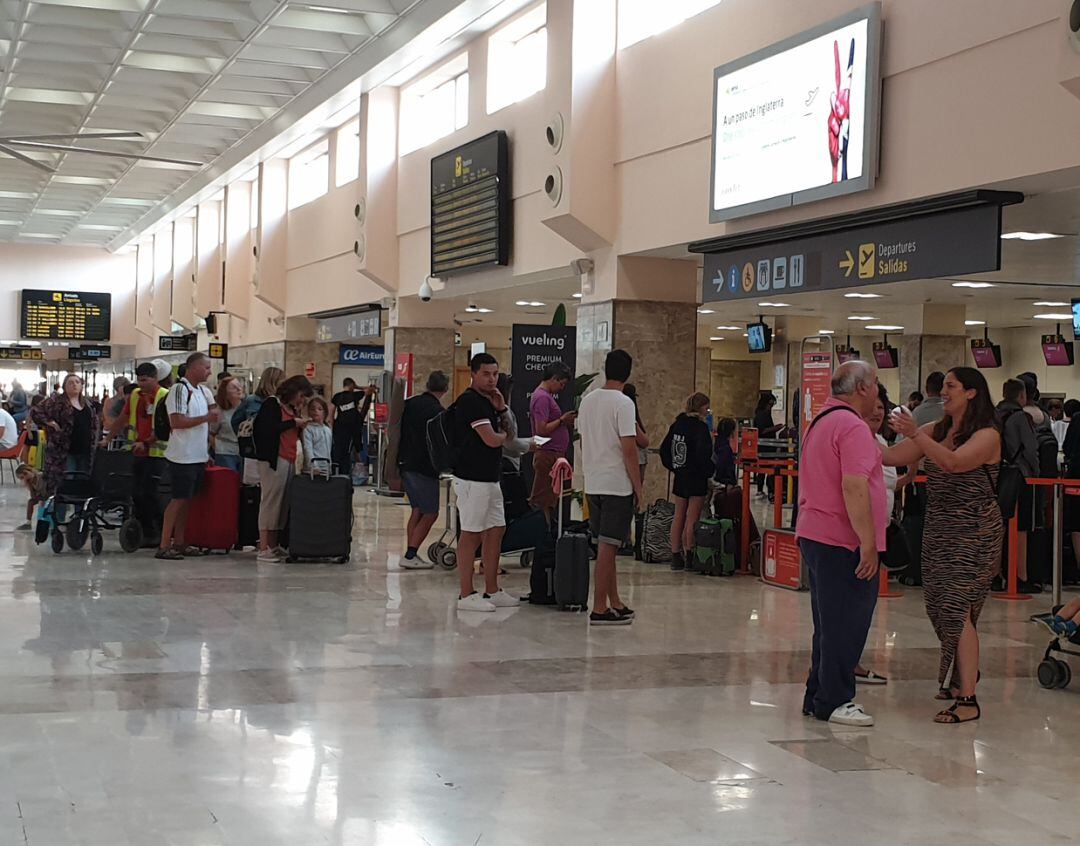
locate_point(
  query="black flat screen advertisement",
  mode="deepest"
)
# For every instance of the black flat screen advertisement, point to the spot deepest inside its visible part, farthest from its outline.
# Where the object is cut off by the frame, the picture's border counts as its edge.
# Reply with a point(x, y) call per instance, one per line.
point(65, 315)
point(759, 337)
point(532, 348)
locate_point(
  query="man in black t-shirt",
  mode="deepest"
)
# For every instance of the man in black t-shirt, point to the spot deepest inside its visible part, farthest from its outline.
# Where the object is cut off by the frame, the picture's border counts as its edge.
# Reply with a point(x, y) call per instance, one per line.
point(420, 478)
point(351, 408)
point(481, 419)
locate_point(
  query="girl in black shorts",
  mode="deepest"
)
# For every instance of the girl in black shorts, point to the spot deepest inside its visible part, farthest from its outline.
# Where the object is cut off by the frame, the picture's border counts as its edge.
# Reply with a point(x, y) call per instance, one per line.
point(687, 452)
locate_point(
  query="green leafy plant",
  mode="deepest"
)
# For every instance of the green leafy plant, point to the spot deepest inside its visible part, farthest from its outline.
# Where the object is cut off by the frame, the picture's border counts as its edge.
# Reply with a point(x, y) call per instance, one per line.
point(559, 318)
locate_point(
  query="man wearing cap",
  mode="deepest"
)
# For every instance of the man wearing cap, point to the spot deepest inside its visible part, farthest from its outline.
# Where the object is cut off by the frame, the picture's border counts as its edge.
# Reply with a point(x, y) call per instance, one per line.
point(136, 422)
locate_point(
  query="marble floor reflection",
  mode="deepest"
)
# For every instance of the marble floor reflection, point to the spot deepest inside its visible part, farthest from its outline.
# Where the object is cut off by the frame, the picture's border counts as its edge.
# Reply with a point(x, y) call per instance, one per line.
point(218, 701)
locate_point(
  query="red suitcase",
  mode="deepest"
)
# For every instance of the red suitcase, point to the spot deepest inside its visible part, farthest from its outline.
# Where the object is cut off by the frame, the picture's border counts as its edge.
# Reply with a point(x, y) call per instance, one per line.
point(214, 515)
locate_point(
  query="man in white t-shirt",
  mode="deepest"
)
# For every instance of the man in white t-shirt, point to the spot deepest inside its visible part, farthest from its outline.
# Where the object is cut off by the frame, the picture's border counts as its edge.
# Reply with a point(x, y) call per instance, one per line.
point(191, 411)
point(609, 456)
point(9, 431)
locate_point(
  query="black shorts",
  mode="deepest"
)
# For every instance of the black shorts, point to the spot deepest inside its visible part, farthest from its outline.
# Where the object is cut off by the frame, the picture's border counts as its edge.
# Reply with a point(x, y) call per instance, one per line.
point(186, 479)
point(610, 517)
point(687, 486)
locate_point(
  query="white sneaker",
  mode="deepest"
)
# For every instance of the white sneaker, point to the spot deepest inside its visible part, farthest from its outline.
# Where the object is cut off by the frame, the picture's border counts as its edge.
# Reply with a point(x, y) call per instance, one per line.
point(268, 556)
point(415, 563)
point(475, 602)
point(502, 599)
point(851, 714)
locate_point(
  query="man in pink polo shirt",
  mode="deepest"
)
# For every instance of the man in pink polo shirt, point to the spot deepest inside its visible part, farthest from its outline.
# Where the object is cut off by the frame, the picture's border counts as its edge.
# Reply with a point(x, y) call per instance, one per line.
point(841, 529)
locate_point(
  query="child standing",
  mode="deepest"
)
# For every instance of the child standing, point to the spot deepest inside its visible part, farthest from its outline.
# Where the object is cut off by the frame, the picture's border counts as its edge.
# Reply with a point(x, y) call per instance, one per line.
point(35, 484)
point(318, 438)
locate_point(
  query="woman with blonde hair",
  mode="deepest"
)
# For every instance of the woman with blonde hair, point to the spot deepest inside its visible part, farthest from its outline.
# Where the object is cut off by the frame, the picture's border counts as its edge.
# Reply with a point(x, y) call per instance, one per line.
point(687, 452)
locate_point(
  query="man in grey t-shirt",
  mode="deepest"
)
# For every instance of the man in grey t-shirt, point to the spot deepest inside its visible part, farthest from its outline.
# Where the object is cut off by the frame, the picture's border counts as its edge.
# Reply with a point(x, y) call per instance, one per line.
point(931, 409)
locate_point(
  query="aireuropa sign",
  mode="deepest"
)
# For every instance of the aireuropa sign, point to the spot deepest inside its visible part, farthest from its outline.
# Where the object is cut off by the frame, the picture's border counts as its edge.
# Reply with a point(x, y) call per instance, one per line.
point(361, 356)
point(950, 243)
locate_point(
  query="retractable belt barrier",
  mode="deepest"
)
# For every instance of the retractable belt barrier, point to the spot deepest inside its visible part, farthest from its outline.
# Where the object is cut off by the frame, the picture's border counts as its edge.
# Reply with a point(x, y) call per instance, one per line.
point(784, 470)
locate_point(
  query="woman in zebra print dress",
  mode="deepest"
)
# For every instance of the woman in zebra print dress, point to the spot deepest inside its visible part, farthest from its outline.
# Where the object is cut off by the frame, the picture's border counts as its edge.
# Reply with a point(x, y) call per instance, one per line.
point(963, 530)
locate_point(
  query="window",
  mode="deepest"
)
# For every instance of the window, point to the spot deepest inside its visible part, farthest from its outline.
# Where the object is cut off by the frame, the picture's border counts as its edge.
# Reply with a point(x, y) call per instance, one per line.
point(641, 19)
point(309, 174)
point(517, 60)
point(347, 158)
point(435, 106)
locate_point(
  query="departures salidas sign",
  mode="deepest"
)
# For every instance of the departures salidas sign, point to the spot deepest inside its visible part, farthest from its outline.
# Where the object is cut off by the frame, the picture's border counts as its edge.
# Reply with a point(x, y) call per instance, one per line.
point(949, 243)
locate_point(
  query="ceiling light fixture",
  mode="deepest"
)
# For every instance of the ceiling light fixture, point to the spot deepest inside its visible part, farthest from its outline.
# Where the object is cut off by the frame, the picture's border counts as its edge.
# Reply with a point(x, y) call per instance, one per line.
point(972, 285)
point(1053, 316)
point(716, 338)
point(825, 332)
point(705, 311)
point(774, 305)
point(1029, 236)
point(863, 317)
point(884, 327)
point(974, 322)
point(1050, 303)
point(529, 303)
point(729, 328)
point(855, 295)
point(576, 296)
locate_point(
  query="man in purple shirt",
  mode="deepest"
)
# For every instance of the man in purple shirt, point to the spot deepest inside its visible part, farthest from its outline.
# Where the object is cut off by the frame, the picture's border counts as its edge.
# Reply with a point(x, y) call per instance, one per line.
point(841, 529)
point(549, 421)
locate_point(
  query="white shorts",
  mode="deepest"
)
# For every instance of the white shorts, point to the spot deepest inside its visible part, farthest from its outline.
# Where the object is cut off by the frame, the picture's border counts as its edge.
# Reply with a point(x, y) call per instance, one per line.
point(479, 504)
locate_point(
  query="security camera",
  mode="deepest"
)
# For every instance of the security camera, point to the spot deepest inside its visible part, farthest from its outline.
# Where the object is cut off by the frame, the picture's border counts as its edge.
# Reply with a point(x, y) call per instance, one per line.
point(426, 292)
point(582, 266)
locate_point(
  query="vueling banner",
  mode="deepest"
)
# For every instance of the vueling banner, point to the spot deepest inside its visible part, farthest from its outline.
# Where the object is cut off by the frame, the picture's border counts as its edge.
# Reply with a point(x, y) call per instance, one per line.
point(532, 349)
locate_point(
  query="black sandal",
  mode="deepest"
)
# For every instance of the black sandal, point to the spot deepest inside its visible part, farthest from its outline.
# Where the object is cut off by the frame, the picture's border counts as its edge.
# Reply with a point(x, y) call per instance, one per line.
point(951, 716)
point(946, 693)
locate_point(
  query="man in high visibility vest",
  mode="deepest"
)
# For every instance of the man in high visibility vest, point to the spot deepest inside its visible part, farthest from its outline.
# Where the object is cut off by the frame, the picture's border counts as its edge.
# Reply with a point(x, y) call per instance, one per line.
point(136, 424)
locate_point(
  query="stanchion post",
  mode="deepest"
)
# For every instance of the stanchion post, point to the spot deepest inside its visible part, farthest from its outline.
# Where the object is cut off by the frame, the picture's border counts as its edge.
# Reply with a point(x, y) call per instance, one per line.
point(778, 500)
point(1012, 592)
point(884, 591)
point(744, 539)
point(1058, 493)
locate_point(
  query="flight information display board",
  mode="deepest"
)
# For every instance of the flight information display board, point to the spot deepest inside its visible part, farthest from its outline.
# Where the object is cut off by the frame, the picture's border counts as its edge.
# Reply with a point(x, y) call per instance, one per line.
point(470, 206)
point(65, 315)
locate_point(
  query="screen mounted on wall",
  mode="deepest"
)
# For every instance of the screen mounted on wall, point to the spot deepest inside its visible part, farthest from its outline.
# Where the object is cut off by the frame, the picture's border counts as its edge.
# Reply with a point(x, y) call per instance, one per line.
point(798, 121)
point(758, 338)
point(65, 315)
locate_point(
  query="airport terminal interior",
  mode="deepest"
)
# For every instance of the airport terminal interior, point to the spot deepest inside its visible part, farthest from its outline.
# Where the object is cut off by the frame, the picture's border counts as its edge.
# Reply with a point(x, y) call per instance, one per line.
point(741, 195)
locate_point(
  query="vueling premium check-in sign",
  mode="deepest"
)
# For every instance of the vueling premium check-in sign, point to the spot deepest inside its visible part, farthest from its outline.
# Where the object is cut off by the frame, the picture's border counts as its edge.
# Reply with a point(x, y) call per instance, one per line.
point(947, 243)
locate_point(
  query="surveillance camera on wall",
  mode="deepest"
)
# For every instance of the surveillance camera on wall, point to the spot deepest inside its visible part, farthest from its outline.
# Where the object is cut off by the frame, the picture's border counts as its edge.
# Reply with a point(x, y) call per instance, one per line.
point(426, 292)
point(582, 266)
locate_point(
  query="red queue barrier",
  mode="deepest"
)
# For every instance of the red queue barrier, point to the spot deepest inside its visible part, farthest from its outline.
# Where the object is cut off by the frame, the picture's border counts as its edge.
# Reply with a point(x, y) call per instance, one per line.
point(779, 469)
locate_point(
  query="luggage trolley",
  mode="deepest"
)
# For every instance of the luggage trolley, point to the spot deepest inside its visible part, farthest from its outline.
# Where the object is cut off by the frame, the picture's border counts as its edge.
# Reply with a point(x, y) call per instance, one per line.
point(523, 535)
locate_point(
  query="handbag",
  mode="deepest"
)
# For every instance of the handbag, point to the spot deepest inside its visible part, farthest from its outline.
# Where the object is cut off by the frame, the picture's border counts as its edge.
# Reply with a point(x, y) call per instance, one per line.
point(897, 548)
point(1009, 484)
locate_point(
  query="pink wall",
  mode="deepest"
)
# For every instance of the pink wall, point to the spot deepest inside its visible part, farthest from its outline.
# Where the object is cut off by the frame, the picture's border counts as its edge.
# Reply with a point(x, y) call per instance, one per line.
point(67, 269)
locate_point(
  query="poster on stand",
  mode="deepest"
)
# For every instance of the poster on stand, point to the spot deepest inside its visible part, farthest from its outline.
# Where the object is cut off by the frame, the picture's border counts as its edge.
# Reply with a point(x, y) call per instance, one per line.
point(533, 348)
point(816, 377)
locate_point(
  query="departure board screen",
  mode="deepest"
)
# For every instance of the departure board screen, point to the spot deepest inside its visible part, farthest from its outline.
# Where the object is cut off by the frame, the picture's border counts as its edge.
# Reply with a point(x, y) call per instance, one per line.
point(470, 206)
point(65, 315)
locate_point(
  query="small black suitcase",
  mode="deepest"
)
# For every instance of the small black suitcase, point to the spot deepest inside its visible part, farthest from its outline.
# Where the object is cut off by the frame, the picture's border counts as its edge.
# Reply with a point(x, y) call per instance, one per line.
point(320, 518)
point(250, 500)
point(542, 576)
point(572, 572)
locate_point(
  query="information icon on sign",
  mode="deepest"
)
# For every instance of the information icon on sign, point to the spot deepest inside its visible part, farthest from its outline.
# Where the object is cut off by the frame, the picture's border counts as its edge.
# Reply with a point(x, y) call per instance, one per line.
point(733, 278)
point(764, 271)
point(779, 273)
point(797, 267)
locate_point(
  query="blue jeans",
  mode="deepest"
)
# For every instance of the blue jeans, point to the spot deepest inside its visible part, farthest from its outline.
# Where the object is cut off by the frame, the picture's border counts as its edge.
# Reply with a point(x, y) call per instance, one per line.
point(232, 462)
point(843, 608)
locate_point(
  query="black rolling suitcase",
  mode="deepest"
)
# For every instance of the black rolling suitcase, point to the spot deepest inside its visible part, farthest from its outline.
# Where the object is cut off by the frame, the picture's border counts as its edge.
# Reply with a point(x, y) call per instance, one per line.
point(250, 500)
point(320, 518)
point(571, 570)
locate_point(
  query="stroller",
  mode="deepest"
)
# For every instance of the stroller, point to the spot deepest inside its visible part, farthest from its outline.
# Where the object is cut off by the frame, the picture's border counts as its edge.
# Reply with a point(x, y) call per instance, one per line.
point(86, 503)
point(1053, 672)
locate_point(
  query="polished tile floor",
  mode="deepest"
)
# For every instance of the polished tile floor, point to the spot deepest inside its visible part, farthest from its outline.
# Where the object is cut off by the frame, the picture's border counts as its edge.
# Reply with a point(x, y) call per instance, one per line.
point(217, 701)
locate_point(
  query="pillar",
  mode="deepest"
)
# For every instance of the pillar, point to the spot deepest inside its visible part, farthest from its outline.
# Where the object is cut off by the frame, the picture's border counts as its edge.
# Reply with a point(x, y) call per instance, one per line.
point(939, 342)
point(648, 307)
point(424, 330)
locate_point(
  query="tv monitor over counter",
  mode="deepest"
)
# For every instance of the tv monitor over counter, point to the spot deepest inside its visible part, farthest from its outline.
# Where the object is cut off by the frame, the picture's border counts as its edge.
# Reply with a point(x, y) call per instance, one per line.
point(845, 354)
point(986, 353)
point(798, 121)
point(886, 357)
point(759, 337)
point(1076, 319)
point(1057, 351)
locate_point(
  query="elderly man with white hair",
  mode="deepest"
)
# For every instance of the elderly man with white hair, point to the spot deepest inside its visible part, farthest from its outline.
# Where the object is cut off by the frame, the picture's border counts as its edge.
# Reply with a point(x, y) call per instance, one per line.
point(841, 530)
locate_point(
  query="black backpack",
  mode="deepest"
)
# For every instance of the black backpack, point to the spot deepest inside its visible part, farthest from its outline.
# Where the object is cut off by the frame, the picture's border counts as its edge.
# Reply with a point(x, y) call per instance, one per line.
point(162, 424)
point(442, 440)
point(1048, 452)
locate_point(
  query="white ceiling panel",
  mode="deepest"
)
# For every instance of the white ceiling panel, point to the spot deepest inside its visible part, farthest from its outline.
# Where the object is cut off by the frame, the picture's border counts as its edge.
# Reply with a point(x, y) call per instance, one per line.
point(204, 81)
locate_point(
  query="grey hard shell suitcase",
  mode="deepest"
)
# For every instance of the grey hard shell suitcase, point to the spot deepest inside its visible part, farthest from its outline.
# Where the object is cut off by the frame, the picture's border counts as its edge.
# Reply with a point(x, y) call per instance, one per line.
point(320, 518)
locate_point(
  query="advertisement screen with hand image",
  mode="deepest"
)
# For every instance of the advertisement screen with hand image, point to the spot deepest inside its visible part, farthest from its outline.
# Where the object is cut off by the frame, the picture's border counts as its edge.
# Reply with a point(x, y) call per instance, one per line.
point(759, 337)
point(798, 121)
